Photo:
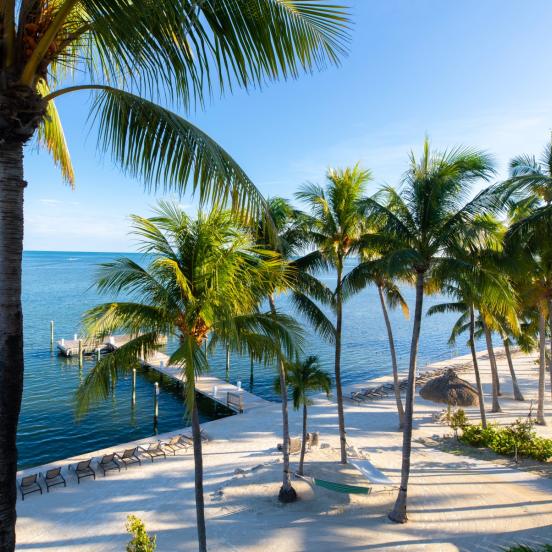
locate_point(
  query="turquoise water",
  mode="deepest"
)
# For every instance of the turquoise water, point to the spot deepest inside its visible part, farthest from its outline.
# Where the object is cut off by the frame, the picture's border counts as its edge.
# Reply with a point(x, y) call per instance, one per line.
point(57, 286)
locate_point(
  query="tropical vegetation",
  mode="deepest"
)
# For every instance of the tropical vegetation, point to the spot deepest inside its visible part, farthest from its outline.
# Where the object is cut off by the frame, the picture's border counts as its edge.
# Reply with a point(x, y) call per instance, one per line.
point(203, 279)
point(137, 60)
point(304, 378)
point(335, 226)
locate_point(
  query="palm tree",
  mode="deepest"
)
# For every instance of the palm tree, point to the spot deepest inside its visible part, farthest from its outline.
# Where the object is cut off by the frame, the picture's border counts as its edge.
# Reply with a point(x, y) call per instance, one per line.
point(529, 192)
point(389, 294)
point(304, 378)
point(483, 284)
point(203, 276)
point(288, 227)
point(128, 56)
point(528, 241)
point(419, 227)
point(336, 223)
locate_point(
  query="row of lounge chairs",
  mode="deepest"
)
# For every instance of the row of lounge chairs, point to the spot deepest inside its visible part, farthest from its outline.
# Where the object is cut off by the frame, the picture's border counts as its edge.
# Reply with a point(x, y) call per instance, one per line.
point(387, 389)
point(108, 462)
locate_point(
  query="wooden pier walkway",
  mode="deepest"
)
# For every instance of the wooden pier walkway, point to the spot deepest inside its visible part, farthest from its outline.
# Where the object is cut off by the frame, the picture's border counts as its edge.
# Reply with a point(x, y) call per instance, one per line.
point(214, 388)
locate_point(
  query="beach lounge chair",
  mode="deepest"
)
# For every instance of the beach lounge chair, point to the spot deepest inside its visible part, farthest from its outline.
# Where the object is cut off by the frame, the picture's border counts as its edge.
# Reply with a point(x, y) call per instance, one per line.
point(176, 443)
point(52, 478)
point(155, 450)
point(188, 437)
point(29, 484)
point(83, 469)
point(129, 456)
point(356, 396)
point(109, 462)
point(372, 474)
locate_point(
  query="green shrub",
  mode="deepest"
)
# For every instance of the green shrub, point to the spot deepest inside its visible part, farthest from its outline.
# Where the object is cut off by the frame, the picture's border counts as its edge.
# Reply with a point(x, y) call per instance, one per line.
point(518, 439)
point(458, 420)
point(141, 541)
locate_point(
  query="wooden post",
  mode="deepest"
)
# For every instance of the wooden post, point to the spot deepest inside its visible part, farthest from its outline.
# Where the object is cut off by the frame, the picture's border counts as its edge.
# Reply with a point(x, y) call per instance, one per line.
point(51, 332)
point(80, 351)
point(227, 364)
point(134, 386)
point(99, 353)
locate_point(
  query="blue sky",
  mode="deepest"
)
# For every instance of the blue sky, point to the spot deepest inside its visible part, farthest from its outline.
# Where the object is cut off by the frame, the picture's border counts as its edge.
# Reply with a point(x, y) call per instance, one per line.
point(474, 72)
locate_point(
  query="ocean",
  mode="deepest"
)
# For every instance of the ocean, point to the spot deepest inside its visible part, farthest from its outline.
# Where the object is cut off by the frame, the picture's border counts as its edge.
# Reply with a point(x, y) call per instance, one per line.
point(58, 286)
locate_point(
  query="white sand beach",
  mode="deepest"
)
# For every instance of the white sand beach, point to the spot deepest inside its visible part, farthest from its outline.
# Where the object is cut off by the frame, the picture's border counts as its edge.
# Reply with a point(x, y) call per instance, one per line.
point(456, 502)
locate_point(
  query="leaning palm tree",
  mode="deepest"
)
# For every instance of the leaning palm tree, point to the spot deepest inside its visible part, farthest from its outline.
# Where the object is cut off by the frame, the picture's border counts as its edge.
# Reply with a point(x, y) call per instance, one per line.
point(203, 277)
point(335, 228)
point(420, 224)
point(128, 55)
point(304, 378)
point(365, 273)
point(306, 291)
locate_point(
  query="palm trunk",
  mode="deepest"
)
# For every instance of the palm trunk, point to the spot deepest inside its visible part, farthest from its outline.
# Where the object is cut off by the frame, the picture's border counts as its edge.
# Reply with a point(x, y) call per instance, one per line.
point(198, 467)
point(494, 371)
point(338, 389)
point(287, 492)
point(304, 441)
point(398, 514)
point(518, 395)
point(550, 351)
point(398, 400)
point(542, 366)
point(476, 370)
point(11, 332)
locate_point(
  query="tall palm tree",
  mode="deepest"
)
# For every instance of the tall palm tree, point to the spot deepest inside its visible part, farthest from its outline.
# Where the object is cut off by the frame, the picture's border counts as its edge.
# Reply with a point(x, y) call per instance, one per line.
point(527, 239)
point(364, 274)
point(419, 227)
point(304, 378)
point(336, 224)
point(529, 191)
point(203, 276)
point(129, 55)
point(286, 235)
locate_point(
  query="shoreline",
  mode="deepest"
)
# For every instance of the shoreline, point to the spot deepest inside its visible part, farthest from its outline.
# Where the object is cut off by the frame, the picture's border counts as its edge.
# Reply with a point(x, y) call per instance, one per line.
point(456, 503)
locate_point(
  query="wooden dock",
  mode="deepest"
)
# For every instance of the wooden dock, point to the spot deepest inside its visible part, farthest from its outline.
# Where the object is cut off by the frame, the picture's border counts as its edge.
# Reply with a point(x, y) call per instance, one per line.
point(220, 391)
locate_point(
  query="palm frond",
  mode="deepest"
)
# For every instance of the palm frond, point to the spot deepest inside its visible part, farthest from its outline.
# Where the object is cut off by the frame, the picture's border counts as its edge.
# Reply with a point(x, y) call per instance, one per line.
point(98, 382)
point(52, 138)
point(169, 153)
point(314, 315)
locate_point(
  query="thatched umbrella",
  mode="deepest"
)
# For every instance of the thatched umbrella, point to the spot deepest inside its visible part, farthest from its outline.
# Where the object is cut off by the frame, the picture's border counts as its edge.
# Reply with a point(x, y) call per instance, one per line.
point(451, 390)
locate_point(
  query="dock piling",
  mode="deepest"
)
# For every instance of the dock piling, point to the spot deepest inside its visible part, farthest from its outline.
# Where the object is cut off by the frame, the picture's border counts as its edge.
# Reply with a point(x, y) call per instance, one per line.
point(51, 332)
point(227, 364)
point(134, 386)
point(155, 403)
point(80, 351)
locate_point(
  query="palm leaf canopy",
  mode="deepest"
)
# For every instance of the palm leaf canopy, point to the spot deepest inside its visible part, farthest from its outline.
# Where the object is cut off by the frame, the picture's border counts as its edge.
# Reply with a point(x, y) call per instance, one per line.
point(335, 222)
point(201, 277)
point(432, 212)
point(304, 378)
point(133, 54)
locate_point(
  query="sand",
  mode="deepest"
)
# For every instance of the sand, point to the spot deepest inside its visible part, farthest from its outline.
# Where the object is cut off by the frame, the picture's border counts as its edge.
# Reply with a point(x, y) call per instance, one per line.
point(456, 502)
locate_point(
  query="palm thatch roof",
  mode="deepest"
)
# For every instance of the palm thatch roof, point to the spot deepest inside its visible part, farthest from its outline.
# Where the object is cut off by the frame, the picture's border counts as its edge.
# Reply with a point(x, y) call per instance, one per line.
point(450, 389)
